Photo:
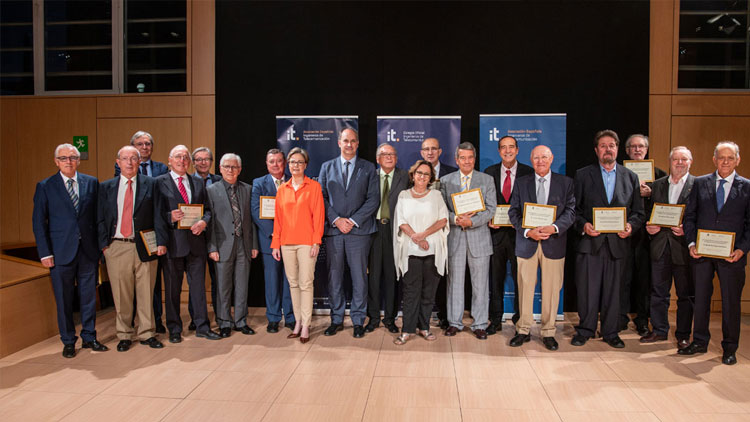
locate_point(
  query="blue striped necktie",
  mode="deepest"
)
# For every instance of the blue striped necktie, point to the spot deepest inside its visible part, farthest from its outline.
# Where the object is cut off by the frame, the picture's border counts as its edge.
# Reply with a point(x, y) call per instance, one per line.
point(73, 194)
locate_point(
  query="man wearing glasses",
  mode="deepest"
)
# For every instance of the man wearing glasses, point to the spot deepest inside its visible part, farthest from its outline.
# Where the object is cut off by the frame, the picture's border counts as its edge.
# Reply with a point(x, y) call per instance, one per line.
point(431, 152)
point(64, 224)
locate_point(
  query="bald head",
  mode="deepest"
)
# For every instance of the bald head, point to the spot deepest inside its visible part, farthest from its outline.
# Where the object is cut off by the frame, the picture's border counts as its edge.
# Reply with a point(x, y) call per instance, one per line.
point(541, 159)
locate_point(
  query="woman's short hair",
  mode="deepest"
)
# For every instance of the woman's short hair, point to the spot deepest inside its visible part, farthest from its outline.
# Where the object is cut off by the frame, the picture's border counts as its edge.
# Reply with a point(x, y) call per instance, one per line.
point(416, 165)
point(300, 151)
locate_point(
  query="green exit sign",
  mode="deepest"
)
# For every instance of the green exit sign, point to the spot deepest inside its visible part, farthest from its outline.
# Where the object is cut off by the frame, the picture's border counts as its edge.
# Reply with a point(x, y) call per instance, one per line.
point(82, 143)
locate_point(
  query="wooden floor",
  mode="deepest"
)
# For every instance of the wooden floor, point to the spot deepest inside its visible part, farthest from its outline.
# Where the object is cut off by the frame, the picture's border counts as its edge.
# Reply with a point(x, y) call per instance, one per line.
point(267, 377)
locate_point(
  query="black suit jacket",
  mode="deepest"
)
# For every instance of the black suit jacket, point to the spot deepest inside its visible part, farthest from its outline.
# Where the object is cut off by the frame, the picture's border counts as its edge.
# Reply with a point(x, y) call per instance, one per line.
point(677, 244)
point(147, 206)
point(182, 242)
point(590, 193)
point(505, 234)
point(214, 177)
point(445, 169)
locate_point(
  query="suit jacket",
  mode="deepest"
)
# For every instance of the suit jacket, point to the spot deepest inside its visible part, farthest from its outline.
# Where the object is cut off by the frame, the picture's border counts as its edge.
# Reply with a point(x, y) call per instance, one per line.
point(359, 201)
point(221, 229)
point(59, 229)
point(445, 169)
point(147, 206)
point(399, 181)
point(561, 195)
point(590, 193)
point(182, 242)
point(214, 177)
point(505, 234)
point(157, 169)
point(262, 186)
point(478, 235)
point(677, 244)
point(734, 217)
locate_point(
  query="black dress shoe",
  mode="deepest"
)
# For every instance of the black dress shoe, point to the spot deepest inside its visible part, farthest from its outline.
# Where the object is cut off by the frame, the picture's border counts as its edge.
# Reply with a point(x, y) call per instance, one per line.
point(550, 343)
point(124, 345)
point(692, 349)
point(333, 329)
point(359, 331)
point(681, 344)
point(160, 329)
point(152, 342)
point(208, 334)
point(372, 325)
point(69, 350)
point(392, 328)
point(191, 326)
point(615, 342)
point(290, 324)
point(225, 332)
point(652, 337)
point(273, 327)
point(245, 330)
point(642, 329)
point(94, 345)
point(579, 340)
point(444, 324)
point(480, 334)
point(519, 339)
point(728, 359)
point(175, 338)
point(451, 331)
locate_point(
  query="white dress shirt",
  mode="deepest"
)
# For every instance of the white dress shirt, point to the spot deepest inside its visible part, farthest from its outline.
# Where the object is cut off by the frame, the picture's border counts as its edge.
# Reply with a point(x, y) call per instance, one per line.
point(122, 188)
point(185, 183)
point(675, 189)
point(727, 185)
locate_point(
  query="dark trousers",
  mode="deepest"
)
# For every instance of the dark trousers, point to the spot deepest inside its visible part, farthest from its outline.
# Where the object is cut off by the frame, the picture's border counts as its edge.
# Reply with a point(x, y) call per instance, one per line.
point(731, 282)
point(278, 299)
point(64, 277)
point(211, 273)
point(175, 269)
point(598, 277)
point(635, 289)
point(502, 253)
point(351, 250)
point(662, 271)
point(441, 299)
point(381, 283)
point(419, 285)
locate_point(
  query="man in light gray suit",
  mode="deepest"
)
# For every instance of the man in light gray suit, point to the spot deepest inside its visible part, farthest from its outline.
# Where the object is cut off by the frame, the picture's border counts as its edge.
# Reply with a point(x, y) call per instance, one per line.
point(232, 243)
point(469, 241)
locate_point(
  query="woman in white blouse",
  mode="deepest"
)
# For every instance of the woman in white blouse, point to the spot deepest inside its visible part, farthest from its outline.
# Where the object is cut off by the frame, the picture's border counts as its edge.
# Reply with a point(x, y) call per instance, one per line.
point(420, 245)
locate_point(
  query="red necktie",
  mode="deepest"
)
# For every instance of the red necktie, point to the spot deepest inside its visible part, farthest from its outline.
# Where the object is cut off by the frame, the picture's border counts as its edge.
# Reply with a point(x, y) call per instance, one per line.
point(506, 186)
point(182, 189)
point(126, 225)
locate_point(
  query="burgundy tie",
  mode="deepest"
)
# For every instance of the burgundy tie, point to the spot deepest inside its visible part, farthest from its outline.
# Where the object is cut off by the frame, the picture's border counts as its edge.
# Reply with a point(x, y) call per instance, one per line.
point(126, 225)
point(182, 189)
point(506, 186)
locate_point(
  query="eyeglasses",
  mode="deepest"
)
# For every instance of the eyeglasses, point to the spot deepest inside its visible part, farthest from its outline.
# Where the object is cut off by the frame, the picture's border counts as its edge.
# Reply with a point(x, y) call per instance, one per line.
point(636, 146)
point(466, 158)
point(296, 163)
point(202, 160)
point(181, 157)
point(231, 168)
point(142, 144)
point(72, 158)
point(387, 154)
point(422, 174)
point(131, 159)
point(428, 149)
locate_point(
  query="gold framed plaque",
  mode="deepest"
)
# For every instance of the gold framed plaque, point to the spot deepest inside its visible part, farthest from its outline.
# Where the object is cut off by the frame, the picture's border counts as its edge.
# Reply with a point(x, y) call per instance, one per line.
point(538, 215)
point(714, 244)
point(192, 214)
point(501, 216)
point(267, 207)
point(149, 241)
point(667, 215)
point(644, 169)
point(468, 201)
point(610, 219)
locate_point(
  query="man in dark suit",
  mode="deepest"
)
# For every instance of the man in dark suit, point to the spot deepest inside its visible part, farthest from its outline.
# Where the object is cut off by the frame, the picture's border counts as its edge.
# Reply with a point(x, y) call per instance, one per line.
point(636, 282)
point(719, 201)
point(64, 223)
point(669, 254)
point(350, 192)
point(127, 207)
point(232, 243)
point(542, 245)
point(278, 300)
point(382, 274)
point(600, 256)
point(186, 248)
point(505, 174)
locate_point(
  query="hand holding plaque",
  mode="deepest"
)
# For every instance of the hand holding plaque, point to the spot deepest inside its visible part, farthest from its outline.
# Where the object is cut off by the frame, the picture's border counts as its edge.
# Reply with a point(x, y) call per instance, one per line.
point(191, 214)
point(610, 219)
point(714, 244)
point(501, 218)
point(149, 241)
point(538, 215)
point(667, 215)
point(644, 169)
point(468, 201)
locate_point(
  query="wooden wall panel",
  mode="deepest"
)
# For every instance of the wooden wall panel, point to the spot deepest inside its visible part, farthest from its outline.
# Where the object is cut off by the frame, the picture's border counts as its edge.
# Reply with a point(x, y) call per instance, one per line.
point(143, 106)
point(204, 124)
point(701, 134)
point(202, 55)
point(9, 174)
point(660, 51)
point(711, 105)
point(659, 129)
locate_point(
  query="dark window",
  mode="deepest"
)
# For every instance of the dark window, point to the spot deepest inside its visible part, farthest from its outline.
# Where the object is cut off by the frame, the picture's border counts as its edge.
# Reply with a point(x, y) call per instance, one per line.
point(16, 47)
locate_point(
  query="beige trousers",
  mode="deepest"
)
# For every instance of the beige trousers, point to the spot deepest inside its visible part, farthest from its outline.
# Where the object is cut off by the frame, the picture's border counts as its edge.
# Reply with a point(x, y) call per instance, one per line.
point(130, 277)
point(300, 271)
point(552, 280)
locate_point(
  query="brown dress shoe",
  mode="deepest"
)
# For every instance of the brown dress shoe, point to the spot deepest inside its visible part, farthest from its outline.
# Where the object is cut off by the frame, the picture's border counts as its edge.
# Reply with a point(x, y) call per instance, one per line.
point(681, 344)
point(451, 331)
point(480, 334)
point(652, 337)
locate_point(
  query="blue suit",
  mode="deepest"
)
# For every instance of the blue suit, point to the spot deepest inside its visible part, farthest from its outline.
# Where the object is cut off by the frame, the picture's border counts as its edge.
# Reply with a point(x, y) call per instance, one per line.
point(359, 202)
point(278, 299)
point(69, 234)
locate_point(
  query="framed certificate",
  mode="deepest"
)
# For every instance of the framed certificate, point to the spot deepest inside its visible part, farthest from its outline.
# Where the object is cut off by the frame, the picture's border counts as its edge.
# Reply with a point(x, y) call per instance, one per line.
point(468, 201)
point(667, 215)
point(714, 244)
point(644, 169)
point(193, 213)
point(538, 215)
point(501, 216)
point(267, 207)
point(149, 241)
point(610, 219)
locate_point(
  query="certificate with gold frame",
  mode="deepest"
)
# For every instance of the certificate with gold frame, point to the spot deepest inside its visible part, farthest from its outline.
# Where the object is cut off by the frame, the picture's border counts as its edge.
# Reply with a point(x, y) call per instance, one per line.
point(538, 215)
point(468, 201)
point(149, 241)
point(192, 214)
point(644, 169)
point(714, 244)
point(267, 207)
point(501, 216)
point(610, 219)
point(667, 215)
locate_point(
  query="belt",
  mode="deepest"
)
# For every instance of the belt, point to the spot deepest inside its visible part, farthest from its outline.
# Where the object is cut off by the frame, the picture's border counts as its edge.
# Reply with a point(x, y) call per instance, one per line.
point(384, 221)
point(120, 239)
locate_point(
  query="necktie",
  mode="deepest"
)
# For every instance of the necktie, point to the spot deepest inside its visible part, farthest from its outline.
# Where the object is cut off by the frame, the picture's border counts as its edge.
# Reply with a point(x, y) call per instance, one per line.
point(464, 183)
point(541, 192)
point(182, 190)
point(506, 186)
point(144, 168)
point(720, 195)
point(126, 224)
point(236, 214)
point(346, 174)
point(278, 183)
point(73, 194)
point(385, 211)
point(205, 181)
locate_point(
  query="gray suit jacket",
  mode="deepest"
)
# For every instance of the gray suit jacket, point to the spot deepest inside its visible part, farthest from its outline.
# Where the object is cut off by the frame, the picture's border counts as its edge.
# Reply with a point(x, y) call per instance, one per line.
point(221, 227)
point(677, 244)
point(478, 235)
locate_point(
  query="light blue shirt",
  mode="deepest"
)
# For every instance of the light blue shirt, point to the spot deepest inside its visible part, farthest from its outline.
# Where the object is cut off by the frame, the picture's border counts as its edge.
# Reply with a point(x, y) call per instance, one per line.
point(609, 178)
point(148, 167)
point(207, 181)
point(353, 162)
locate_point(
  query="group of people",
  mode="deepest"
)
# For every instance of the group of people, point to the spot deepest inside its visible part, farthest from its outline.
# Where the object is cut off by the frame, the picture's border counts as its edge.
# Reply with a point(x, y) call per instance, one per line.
point(393, 230)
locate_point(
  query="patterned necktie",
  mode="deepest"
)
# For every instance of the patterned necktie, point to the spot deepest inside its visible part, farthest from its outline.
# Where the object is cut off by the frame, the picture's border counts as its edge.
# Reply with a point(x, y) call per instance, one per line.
point(144, 168)
point(464, 183)
point(506, 186)
point(385, 211)
point(73, 194)
point(182, 190)
point(541, 192)
point(346, 174)
point(278, 183)
point(126, 224)
point(236, 214)
point(720, 195)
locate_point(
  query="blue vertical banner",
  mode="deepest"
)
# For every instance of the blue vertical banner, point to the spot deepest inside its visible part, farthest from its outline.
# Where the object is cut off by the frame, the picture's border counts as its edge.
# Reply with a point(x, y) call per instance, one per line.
point(529, 130)
point(318, 135)
point(406, 133)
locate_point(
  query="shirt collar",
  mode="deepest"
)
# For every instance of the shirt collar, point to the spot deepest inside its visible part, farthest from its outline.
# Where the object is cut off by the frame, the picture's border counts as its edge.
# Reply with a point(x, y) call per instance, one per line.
point(546, 177)
point(463, 175)
point(679, 182)
point(65, 178)
point(353, 160)
point(124, 180)
point(729, 178)
point(614, 169)
point(383, 173)
point(177, 176)
point(512, 168)
point(275, 179)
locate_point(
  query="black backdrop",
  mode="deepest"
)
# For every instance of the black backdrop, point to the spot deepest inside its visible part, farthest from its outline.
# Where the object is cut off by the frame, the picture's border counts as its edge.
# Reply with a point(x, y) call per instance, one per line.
point(588, 59)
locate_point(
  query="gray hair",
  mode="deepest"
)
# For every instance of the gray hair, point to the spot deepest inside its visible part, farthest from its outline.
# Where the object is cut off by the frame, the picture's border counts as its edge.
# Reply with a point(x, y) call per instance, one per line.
point(380, 149)
point(139, 134)
point(356, 134)
point(274, 151)
point(171, 152)
point(683, 149)
point(229, 156)
point(300, 151)
point(66, 146)
point(466, 146)
point(637, 135)
point(128, 146)
point(725, 144)
point(203, 149)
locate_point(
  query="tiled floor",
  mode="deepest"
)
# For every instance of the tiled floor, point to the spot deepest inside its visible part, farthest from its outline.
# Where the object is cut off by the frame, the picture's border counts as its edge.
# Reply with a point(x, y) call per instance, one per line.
point(267, 377)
